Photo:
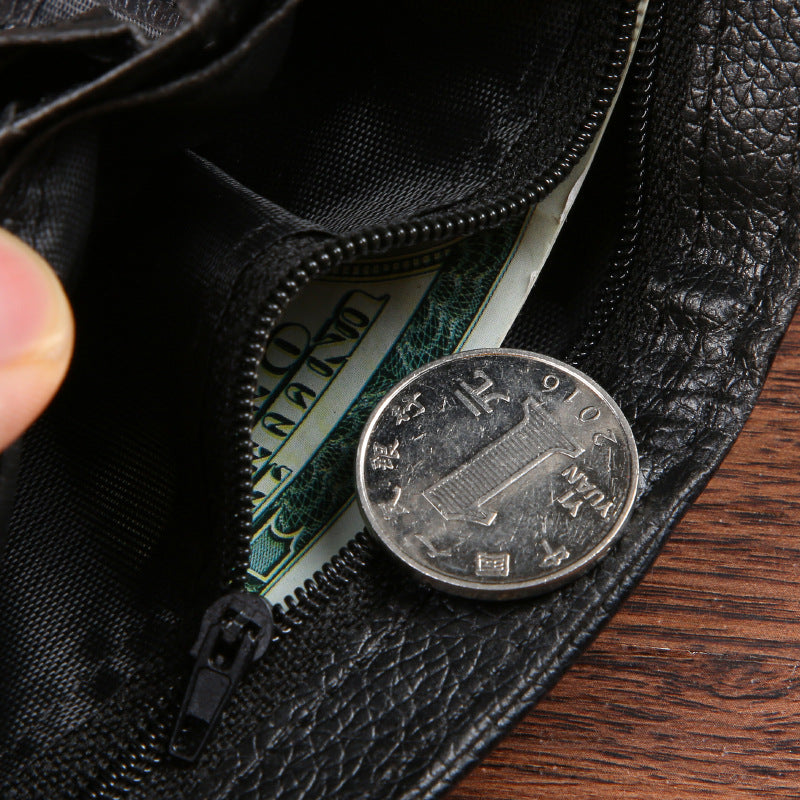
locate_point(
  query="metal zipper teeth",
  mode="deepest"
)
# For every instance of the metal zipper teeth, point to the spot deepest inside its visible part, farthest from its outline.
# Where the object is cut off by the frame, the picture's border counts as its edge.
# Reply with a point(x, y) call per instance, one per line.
point(378, 240)
point(621, 263)
point(333, 579)
point(121, 778)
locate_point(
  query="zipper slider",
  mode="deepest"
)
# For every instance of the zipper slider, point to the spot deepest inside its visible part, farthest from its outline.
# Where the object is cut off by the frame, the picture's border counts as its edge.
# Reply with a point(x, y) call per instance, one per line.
point(235, 633)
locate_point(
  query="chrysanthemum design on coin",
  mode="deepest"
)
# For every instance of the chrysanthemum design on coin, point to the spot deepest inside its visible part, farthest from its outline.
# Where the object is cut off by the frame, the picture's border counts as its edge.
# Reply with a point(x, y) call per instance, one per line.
point(497, 473)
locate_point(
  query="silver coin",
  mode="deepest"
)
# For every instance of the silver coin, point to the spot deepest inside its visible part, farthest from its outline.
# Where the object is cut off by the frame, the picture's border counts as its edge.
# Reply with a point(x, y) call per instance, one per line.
point(497, 473)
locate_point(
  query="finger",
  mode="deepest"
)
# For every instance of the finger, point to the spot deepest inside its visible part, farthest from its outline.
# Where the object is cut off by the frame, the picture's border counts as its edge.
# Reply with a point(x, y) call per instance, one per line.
point(36, 336)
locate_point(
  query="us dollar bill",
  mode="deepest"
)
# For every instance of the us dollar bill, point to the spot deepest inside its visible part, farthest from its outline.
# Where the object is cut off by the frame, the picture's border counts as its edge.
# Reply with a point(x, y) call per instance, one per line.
point(340, 347)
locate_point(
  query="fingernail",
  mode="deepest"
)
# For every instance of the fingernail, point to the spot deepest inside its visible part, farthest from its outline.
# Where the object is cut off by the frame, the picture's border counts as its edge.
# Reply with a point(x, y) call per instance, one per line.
point(35, 320)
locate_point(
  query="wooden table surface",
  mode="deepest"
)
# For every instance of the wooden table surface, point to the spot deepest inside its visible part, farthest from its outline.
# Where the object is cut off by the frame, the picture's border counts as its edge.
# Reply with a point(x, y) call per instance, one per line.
point(693, 689)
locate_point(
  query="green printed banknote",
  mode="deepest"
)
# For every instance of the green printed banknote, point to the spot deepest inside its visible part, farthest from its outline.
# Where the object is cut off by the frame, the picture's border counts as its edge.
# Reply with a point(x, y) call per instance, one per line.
point(342, 344)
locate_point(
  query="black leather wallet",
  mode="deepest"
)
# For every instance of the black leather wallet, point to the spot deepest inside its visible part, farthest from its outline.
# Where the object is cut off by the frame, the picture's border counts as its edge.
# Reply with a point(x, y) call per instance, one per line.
point(187, 168)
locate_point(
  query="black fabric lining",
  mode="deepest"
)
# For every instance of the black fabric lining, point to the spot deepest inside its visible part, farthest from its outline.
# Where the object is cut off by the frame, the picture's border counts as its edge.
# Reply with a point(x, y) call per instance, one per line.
point(154, 17)
point(183, 251)
point(410, 127)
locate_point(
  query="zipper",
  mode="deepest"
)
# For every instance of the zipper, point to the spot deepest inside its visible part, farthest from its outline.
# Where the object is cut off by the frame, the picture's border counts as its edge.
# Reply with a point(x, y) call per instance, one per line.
point(611, 290)
point(380, 239)
point(235, 632)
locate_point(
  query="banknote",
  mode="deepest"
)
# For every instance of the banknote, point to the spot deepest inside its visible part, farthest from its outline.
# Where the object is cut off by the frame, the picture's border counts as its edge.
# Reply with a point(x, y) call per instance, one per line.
point(343, 343)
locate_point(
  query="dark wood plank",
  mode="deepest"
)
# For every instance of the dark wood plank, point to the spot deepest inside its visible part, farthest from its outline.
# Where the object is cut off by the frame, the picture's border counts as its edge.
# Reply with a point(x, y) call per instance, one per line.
point(693, 690)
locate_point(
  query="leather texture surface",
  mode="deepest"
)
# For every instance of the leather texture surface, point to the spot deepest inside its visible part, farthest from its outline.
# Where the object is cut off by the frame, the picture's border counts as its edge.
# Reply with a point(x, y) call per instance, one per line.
point(390, 690)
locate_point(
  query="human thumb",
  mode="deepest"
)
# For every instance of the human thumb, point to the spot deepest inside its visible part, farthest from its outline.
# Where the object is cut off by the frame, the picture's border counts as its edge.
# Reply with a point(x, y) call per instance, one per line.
point(36, 336)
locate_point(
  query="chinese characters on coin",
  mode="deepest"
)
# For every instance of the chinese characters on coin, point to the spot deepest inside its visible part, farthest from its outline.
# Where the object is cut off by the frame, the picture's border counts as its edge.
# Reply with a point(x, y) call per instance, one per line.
point(497, 473)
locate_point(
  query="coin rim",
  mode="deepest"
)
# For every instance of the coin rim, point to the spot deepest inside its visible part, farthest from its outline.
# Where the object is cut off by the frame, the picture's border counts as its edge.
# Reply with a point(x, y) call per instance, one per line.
point(516, 589)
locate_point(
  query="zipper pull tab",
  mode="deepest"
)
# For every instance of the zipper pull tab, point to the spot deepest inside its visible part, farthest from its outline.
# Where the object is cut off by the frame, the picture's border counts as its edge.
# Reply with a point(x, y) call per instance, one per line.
point(235, 632)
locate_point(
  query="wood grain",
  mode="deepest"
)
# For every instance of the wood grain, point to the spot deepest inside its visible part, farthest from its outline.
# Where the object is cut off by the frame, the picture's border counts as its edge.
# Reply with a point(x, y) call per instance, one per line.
point(693, 689)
